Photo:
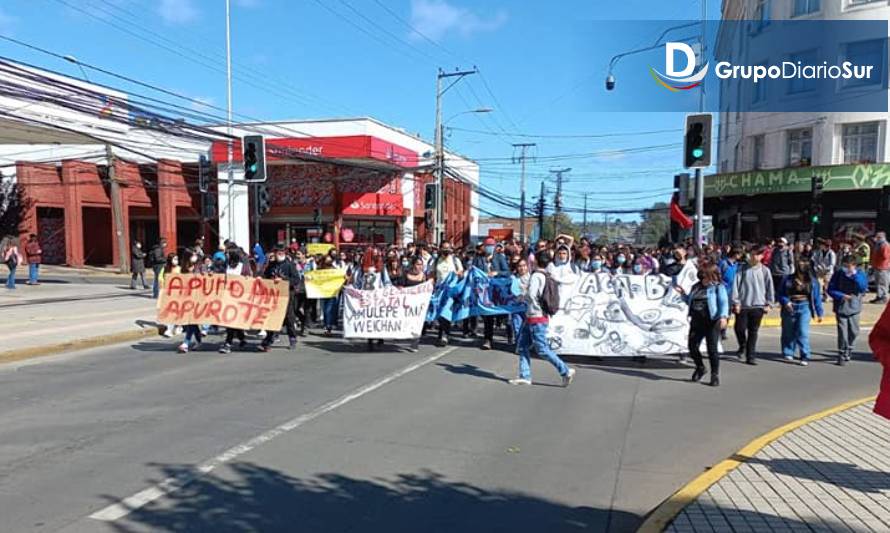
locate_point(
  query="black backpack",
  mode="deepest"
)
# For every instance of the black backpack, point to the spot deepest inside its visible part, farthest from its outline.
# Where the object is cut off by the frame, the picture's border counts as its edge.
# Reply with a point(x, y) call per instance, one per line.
point(550, 295)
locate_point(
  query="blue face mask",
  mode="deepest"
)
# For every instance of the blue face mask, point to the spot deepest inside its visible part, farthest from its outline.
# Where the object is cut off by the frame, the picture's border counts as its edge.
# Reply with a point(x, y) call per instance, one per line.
point(596, 265)
point(620, 260)
point(638, 269)
point(489, 250)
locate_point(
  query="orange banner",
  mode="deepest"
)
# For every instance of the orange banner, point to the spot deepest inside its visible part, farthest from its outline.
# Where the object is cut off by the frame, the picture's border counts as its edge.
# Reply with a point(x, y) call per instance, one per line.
point(230, 301)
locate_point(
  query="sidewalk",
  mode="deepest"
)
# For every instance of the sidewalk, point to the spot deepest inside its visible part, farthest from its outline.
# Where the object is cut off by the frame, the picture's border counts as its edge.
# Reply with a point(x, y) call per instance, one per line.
point(830, 474)
point(51, 318)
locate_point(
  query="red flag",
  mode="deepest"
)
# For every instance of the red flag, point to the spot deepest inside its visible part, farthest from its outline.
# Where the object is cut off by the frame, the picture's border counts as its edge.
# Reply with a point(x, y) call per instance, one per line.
point(879, 341)
point(678, 216)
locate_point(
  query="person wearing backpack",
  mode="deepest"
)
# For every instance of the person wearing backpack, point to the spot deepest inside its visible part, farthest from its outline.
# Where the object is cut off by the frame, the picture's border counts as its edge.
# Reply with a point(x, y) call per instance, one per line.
point(543, 302)
point(11, 258)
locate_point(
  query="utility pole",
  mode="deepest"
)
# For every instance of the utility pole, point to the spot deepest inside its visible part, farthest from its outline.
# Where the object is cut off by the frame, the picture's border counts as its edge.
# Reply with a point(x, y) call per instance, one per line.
point(117, 213)
point(524, 147)
point(229, 146)
point(440, 146)
point(541, 202)
point(558, 203)
point(585, 213)
point(699, 179)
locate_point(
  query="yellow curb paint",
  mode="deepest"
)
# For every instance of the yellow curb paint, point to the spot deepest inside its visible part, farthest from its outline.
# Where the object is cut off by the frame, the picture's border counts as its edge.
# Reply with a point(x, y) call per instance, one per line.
point(662, 515)
point(827, 321)
point(23, 354)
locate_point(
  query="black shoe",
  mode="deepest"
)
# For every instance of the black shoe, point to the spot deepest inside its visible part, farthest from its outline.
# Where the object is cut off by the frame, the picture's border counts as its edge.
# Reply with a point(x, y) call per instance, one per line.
point(441, 342)
point(698, 374)
point(370, 346)
point(293, 343)
point(740, 353)
point(715, 380)
point(841, 360)
point(752, 362)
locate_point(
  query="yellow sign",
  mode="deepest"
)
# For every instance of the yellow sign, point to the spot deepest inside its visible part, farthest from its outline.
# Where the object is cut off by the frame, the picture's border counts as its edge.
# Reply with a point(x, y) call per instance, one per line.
point(325, 283)
point(319, 248)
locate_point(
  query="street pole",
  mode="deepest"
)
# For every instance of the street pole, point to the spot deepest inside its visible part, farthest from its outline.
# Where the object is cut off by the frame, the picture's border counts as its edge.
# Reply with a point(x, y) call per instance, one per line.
point(585, 213)
point(440, 146)
point(558, 204)
point(524, 147)
point(256, 212)
point(117, 213)
point(699, 179)
point(229, 146)
point(541, 202)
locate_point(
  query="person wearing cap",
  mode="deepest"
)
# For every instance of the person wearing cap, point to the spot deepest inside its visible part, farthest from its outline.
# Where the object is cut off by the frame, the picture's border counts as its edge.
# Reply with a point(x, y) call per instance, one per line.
point(494, 265)
point(782, 262)
point(861, 251)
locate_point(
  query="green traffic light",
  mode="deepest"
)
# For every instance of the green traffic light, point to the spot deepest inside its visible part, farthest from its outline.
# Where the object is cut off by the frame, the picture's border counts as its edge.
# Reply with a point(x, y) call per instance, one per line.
point(815, 219)
point(698, 153)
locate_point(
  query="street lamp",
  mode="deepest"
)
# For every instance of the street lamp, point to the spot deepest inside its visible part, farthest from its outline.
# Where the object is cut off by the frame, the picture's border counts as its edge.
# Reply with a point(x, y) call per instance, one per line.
point(610, 78)
point(481, 110)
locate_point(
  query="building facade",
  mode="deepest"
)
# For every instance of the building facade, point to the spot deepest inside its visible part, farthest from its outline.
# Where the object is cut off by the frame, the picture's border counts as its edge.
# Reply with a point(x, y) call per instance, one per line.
point(766, 160)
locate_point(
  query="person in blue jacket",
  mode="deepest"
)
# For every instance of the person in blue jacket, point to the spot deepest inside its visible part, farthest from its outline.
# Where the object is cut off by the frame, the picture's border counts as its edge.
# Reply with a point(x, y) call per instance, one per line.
point(708, 312)
point(847, 288)
point(494, 265)
point(801, 298)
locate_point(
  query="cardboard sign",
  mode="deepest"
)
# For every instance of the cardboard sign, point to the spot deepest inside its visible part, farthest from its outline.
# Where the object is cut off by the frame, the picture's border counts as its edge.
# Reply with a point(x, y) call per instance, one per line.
point(230, 301)
point(319, 248)
point(325, 283)
point(388, 313)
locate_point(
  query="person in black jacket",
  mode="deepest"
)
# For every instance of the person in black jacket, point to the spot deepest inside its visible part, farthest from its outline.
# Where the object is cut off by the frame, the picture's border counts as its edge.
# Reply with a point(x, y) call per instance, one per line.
point(137, 260)
point(280, 268)
point(157, 258)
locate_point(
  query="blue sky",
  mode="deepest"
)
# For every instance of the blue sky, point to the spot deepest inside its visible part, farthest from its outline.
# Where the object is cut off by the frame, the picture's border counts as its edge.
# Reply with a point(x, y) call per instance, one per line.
point(544, 62)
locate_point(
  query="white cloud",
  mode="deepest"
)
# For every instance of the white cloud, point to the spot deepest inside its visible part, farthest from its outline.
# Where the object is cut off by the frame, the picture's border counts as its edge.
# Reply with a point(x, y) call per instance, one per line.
point(437, 18)
point(7, 23)
point(178, 11)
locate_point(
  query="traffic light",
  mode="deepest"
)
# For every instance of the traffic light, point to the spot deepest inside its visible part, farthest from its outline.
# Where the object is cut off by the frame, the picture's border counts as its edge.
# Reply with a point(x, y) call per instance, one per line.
point(203, 174)
point(429, 196)
point(264, 200)
point(208, 206)
point(697, 144)
point(818, 187)
point(816, 214)
point(316, 216)
point(254, 158)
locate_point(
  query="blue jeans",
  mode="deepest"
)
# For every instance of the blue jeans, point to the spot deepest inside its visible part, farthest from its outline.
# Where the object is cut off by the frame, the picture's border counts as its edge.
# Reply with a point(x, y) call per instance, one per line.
point(796, 330)
point(10, 278)
point(32, 272)
point(192, 332)
point(537, 334)
point(330, 310)
point(156, 287)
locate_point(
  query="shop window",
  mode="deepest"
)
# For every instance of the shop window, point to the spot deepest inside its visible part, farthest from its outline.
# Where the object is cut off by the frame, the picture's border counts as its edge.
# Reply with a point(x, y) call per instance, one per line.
point(800, 147)
point(866, 53)
point(860, 143)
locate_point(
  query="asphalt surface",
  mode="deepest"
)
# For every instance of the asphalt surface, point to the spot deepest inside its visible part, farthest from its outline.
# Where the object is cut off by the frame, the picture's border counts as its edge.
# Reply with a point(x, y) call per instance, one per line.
point(413, 444)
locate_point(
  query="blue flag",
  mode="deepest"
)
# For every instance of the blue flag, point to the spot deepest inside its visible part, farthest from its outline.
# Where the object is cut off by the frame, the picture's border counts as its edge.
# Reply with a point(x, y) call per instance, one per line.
point(474, 295)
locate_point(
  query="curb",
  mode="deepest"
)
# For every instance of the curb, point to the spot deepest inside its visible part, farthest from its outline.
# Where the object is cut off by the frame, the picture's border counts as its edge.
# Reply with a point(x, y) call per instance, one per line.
point(665, 513)
point(829, 320)
point(33, 352)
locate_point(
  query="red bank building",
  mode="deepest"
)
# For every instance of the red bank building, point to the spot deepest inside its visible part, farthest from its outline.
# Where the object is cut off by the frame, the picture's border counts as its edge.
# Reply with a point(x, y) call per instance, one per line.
point(354, 182)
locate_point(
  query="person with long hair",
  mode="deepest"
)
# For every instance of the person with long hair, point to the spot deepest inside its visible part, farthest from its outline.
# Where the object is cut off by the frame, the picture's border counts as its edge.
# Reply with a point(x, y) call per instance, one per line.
point(12, 257)
point(171, 266)
point(193, 336)
point(413, 276)
point(235, 266)
point(369, 278)
point(801, 298)
point(708, 314)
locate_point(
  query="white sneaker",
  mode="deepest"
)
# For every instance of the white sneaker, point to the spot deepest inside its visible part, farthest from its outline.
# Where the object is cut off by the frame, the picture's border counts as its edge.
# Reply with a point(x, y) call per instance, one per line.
point(195, 346)
point(183, 348)
point(520, 381)
point(167, 333)
point(803, 362)
point(567, 379)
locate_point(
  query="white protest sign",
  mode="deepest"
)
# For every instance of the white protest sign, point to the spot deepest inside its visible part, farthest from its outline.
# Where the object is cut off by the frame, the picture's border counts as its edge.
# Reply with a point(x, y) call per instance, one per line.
point(390, 313)
point(622, 315)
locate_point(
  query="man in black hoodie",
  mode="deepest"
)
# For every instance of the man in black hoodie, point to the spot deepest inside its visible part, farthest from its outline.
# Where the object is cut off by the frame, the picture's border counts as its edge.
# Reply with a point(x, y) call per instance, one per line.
point(282, 268)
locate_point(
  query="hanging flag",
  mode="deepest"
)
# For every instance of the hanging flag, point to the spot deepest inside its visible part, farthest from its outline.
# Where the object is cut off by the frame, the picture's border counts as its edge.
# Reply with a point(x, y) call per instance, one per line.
point(678, 216)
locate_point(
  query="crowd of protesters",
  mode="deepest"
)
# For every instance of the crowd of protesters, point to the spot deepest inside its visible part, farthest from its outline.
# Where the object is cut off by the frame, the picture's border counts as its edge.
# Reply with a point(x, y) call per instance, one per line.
point(744, 280)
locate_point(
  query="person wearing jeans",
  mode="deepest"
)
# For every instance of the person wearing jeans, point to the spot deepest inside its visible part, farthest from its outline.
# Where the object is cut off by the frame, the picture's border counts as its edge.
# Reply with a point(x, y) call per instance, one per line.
point(708, 313)
point(35, 257)
point(157, 258)
point(801, 298)
point(752, 293)
point(847, 288)
point(534, 330)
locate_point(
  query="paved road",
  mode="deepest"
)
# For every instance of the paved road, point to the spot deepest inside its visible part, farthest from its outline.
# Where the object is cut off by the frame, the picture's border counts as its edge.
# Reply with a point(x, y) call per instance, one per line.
point(423, 445)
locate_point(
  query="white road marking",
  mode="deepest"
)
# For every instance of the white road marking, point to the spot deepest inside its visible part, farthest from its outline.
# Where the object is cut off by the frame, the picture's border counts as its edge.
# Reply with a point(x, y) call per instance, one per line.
point(124, 507)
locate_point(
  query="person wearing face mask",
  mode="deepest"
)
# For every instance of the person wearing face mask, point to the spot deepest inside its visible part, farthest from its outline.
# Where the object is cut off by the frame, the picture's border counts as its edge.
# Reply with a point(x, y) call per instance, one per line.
point(847, 288)
point(708, 312)
point(562, 269)
point(137, 262)
point(639, 268)
point(620, 265)
point(751, 295)
point(280, 269)
point(880, 264)
point(444, 266)
point(801, 299)
point(494, 265)
point(584, 263)
point(782, 262)
point(171, 266)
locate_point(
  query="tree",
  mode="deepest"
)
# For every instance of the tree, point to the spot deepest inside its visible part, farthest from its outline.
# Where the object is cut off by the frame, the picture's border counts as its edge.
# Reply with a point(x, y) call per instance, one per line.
point(566, 226)
point(12, 207)
point(656, 223)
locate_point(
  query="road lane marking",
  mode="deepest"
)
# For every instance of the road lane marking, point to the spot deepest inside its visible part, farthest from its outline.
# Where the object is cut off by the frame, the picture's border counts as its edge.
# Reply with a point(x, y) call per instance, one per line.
point(124, 507)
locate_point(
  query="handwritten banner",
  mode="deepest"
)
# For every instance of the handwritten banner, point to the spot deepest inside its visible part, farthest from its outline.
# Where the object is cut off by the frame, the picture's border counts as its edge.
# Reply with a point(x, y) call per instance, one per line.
point(319, 248)
point(389, 313)
point(230, 301)
point(324, 283)
point(623, 315)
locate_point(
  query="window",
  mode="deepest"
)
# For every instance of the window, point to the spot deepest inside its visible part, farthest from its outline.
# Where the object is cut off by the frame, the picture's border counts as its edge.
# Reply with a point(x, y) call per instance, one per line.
point(854, 3)
point(760, 20)
point(759, 89)
point(800, 148)
point(866, 53)
point(860, 143)
point(805, 7)
point(802, 85)
point(758, 148)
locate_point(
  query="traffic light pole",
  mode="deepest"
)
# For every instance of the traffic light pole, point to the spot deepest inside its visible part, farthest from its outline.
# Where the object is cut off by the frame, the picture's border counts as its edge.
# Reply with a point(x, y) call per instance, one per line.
point(699, 207)
point(229, 146)
point(256, 212)
point(522, 158)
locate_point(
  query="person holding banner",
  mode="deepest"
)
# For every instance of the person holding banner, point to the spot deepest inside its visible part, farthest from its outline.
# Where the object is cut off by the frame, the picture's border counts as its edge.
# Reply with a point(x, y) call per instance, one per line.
point(234, 267)
point(279, 268)
point(446, 265)
point(371, 277)
point(193, 335)
point(330, 307)
point(534, 330)
point(171, 266)
point(494, 266)
point(414, 276)
point(708, 314)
